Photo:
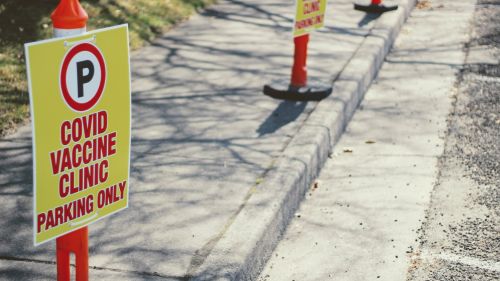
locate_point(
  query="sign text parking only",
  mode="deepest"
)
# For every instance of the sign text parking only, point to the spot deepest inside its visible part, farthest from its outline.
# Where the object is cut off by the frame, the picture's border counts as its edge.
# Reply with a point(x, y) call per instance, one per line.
point(80, 107)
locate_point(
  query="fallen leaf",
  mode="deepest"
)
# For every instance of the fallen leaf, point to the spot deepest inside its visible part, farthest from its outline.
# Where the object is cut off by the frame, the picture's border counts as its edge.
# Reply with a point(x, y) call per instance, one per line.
point(315, 185)
point(422, 4)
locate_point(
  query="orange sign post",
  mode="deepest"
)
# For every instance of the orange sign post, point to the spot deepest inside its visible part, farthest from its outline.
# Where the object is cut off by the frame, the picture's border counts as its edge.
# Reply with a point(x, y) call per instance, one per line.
point(69, 18)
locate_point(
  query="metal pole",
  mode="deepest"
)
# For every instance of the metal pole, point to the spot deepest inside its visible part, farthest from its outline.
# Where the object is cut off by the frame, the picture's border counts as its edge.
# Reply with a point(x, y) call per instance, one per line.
point(299, 69)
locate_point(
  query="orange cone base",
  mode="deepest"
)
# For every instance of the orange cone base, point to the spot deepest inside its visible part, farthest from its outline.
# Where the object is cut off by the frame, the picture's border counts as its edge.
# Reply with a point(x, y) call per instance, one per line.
point(284, 91)
point(375, 9)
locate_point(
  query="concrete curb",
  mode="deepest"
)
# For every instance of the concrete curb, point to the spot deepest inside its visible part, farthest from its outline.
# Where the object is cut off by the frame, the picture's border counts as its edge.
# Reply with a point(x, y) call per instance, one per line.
point(245, 247)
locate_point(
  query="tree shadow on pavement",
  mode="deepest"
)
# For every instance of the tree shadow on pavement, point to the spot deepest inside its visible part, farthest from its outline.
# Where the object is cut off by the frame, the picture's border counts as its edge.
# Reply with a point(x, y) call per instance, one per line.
point(202, 134)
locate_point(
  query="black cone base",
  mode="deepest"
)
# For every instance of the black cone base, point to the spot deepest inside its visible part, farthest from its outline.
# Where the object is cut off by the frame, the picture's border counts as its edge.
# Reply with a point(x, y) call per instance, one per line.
point(375, 9)
point(284, 91)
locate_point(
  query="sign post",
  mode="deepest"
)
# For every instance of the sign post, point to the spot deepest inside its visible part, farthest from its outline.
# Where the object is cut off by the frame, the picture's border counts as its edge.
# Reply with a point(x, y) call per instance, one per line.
point(79, 86)
point(375, 7)
point(69, 18)
point(310, 15)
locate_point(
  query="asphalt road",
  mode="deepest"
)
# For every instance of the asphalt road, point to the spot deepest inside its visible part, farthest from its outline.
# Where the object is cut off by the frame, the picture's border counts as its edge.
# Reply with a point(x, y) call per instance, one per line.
point(461, 238)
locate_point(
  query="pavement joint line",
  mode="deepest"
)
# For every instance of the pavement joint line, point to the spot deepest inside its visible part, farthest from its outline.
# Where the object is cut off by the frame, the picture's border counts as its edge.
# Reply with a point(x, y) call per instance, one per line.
point(489, 265)
point(201, 255)
point(156, 274)
point(8, 258)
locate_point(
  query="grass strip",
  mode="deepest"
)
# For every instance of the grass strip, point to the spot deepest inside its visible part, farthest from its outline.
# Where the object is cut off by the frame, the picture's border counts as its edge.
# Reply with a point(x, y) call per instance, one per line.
point(23, 21)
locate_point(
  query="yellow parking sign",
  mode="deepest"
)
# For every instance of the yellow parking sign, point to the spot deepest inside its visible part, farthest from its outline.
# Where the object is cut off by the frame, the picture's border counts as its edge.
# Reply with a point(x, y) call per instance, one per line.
point(80, 110)
point(310, 15)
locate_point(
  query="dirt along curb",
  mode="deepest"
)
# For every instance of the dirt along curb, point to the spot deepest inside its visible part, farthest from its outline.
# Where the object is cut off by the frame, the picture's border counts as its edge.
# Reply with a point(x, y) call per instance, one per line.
point(249, 240)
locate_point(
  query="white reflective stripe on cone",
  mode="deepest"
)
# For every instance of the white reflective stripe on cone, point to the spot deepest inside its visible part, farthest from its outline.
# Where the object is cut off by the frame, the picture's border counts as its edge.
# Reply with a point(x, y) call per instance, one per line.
point(58, 32)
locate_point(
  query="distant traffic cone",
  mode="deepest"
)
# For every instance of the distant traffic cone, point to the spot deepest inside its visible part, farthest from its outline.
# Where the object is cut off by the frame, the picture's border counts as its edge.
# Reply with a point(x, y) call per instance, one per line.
point(298, 89)
point(69, 18)
point(375, 7)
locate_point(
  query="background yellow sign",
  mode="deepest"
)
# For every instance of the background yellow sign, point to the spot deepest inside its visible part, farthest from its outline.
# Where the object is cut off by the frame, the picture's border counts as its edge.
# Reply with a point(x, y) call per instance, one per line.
point(80, 111)
point(310, 15)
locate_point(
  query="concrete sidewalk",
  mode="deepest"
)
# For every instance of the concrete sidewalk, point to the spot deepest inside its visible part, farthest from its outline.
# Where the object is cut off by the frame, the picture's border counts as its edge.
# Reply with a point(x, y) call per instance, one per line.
point(208, 145)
